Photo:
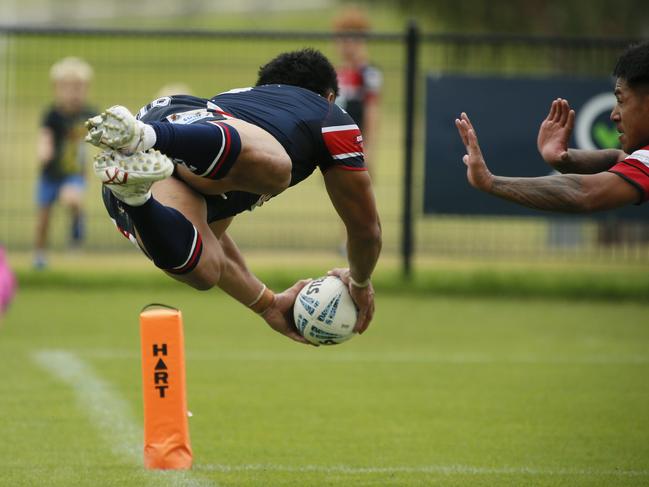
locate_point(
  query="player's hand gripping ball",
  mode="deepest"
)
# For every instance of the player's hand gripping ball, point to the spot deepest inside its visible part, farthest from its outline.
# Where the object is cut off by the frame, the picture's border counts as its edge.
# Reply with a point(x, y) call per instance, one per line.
point(324, 311)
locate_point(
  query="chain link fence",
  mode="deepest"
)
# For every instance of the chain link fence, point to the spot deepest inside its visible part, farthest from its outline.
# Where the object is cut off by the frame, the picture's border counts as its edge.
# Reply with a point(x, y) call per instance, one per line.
point(131, 67)
point(530, 238)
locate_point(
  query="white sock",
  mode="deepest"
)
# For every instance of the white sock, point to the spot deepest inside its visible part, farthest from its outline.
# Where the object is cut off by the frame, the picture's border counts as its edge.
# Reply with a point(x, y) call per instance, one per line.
point(149, 138)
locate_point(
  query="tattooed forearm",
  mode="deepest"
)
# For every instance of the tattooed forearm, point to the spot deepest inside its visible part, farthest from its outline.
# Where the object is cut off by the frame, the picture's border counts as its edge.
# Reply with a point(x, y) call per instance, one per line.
point(589, 161)
point(558, 193)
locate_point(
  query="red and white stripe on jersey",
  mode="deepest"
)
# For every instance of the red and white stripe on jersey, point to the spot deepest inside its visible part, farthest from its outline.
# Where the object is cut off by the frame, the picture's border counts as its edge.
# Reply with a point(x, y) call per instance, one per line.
point(635, 170)
point(192, 259)
point(345, 145)
point(215, 108)
point(126, 233)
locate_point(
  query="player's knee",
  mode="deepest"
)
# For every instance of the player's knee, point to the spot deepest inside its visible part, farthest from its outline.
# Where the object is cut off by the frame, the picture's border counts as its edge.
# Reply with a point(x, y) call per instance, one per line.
point(197, 280)
point(206, 275)
point(200, 284)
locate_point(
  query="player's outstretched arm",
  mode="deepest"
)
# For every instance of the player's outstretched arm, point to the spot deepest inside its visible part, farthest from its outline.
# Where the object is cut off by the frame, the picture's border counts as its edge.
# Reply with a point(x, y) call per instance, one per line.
point(352, 196)
point(554, 136)
point(570, 193)
point(245, 287)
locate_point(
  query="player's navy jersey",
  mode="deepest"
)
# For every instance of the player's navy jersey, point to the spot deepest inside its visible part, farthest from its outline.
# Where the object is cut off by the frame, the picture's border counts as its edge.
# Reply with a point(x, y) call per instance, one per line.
point(635, 170)
point(314, 132)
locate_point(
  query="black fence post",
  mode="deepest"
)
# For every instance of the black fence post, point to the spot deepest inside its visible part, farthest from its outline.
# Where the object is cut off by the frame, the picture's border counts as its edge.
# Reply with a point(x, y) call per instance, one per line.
point(407, 237)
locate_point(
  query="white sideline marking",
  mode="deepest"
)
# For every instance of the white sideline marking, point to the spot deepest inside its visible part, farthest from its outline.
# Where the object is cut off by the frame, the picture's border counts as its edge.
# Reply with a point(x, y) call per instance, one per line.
point(389, 358)
point(425, 469)
point(109, 413)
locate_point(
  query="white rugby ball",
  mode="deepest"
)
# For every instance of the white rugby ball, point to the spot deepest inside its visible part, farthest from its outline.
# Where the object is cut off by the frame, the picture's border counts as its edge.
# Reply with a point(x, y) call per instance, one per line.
point(324, 311)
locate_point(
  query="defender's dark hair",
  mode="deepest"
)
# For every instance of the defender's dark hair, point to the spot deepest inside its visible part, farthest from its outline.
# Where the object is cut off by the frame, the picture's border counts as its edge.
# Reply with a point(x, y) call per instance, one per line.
point(308, 68)
point(633, 65)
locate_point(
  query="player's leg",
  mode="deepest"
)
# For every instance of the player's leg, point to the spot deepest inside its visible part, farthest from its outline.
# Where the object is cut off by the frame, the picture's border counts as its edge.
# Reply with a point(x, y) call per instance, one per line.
point(190, 209)
point(71, 196)
point(168, 220)
point(218, 156)
point(226, 156)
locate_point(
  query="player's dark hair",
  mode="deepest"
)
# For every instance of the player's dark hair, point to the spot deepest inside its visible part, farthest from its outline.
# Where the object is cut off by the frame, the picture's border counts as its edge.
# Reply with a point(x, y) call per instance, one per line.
point(633, 65)
point(308, 68)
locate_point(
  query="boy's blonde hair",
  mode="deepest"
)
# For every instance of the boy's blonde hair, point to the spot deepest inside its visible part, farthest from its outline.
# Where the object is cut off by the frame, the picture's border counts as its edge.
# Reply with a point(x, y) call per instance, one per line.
point(71, 68)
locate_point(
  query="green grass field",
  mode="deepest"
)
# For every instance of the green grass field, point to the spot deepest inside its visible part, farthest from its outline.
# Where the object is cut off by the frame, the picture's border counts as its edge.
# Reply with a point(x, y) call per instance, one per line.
point(451, 391)
point(477, 372)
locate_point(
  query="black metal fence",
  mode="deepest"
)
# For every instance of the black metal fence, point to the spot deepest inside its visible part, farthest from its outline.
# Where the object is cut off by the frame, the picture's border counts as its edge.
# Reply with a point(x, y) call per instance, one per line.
point(131, 66)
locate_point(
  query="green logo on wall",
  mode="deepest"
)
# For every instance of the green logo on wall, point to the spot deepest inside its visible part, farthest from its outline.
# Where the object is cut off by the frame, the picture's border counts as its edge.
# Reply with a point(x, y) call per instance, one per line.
point(606, 137)
point(593, 127)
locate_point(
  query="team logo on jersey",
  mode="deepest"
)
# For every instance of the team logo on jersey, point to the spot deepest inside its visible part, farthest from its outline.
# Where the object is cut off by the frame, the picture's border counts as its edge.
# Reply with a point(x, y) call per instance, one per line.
point(192, 116)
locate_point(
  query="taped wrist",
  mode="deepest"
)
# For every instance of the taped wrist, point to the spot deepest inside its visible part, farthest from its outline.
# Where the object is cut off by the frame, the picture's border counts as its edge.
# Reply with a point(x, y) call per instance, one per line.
point(263, 301)
point(360, 284)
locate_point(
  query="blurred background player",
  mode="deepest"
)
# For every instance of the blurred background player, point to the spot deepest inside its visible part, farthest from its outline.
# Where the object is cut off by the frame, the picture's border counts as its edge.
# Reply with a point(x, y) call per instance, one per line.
point(359, 81)
point(62, 153)
point(593, 180)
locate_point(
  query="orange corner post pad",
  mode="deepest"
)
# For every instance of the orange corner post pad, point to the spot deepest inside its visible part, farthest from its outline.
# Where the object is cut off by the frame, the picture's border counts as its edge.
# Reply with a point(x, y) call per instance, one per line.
point(166, 430)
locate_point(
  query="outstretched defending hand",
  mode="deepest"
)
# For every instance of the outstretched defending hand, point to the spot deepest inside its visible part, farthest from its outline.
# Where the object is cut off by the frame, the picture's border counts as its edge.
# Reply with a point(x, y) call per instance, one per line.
point(280, 314)
point(363, 298)
point(477, 171)
point(555, 132)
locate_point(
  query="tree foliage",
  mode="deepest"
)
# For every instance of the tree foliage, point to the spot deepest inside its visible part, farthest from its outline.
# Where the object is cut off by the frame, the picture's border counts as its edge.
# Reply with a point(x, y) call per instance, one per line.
point(597, 18)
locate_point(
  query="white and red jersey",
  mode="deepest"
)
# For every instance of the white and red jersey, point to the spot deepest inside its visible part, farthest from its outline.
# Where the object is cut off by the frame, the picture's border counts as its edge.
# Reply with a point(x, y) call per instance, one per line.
point(358, 86)
point(635, 170)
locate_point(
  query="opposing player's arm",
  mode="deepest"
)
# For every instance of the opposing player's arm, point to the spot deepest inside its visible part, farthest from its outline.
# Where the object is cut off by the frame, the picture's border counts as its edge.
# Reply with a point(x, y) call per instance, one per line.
point(552, 142)
point(571, 193)
point(581, 161)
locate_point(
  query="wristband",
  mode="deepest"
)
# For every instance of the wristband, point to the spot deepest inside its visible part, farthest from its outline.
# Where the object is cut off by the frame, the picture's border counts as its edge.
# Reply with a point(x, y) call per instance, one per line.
point(361, 284)
point(263, 301)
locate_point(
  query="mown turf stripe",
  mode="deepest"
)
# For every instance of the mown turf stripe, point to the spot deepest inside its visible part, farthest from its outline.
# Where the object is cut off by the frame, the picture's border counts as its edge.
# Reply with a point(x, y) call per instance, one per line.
point(109, 413)
point(426, 469)
point(498, 282)
point(313, 355)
